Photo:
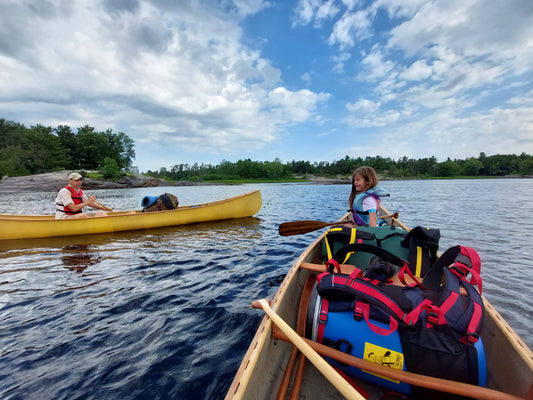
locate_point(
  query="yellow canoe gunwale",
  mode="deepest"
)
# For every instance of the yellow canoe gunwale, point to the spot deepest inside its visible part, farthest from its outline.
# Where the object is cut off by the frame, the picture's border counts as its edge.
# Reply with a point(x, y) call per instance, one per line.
point(40, 226)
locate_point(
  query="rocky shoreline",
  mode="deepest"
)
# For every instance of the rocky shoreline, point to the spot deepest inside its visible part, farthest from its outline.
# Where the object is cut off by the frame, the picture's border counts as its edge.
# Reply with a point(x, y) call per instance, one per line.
point(52, 181)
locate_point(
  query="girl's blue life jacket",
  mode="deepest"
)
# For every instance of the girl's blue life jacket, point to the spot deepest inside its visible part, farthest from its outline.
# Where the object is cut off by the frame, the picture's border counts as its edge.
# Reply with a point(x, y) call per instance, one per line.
point(360, 216)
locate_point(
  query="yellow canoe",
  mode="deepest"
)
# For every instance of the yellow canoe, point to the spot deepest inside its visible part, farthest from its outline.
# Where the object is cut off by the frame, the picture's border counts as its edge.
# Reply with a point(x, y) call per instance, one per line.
point(270, 365)
point(39, 226)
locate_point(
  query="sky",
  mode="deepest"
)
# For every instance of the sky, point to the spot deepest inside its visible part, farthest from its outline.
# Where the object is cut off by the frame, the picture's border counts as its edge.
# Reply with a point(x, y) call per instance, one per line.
point(208, 81)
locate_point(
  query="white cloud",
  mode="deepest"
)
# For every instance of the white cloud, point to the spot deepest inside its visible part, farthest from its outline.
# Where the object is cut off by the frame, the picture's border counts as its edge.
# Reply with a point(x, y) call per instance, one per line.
point(174, 77)
point(182, 76)
point(250, 7)
point(326, 11)
point(419, 70)
point(375, 66)
point(436, 82)
point(305, 11)
point(349, 28)
point(497, 30)
point(293, 107)
point(306, 77)
point(364, 105)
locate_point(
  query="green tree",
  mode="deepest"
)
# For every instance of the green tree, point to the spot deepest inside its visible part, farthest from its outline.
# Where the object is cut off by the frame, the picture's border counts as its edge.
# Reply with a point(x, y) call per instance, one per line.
point(472, 166)
point(68, 143)
point(90, 148)
point(526, 167)
point(110, 169)
point(12, 134)
point(448, 168)
point(46, 150)
point(12, 161)
point(120, 147)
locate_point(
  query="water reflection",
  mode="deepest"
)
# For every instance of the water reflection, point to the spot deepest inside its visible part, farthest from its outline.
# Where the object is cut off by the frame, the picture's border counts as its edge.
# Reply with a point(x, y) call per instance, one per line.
point(248, 227)
point(79, 257)
point(165, 313)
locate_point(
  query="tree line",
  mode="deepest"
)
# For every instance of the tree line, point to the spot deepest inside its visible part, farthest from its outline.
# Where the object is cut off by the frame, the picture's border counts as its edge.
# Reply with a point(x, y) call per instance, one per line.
point(488, 166)
point(39, 149)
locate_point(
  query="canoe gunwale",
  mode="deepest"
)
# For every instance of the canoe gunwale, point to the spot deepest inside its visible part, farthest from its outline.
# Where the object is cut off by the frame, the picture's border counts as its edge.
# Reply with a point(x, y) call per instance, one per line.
point(128, 213)
point(33, 227)
point(514, 378)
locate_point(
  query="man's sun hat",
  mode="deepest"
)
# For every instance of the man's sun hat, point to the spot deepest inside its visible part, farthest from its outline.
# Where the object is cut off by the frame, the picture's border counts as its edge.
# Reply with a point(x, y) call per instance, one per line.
point(75, 176)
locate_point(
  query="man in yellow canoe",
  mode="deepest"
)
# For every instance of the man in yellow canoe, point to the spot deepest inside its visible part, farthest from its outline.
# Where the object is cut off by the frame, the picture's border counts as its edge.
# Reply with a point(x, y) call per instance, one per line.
point(71, 200)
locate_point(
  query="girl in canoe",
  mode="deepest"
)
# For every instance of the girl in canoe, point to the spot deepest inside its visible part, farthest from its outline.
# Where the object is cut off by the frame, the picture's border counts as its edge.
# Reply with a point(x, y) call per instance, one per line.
point(364, 197)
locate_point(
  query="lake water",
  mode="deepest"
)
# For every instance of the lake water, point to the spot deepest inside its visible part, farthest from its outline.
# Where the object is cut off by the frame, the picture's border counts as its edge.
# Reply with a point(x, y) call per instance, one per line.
point(165, 313)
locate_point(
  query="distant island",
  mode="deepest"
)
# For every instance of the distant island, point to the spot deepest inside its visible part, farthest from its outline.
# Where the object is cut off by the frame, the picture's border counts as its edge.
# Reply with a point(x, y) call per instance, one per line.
point(108, 156)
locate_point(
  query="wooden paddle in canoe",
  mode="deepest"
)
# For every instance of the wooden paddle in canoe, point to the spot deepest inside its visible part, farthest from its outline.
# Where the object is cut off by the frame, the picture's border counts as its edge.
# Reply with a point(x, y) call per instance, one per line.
point(306, 226)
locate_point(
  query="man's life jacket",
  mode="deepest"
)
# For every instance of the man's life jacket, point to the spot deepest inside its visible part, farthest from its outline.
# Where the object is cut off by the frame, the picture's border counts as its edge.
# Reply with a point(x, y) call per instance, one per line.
point(360, 216)
point(432, 329)
point(77, 198)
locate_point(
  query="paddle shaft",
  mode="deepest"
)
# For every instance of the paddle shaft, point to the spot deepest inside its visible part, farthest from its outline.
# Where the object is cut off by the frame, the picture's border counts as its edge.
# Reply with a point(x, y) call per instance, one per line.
point(305, 226)
point(327, 370)
point(101, 205)
point(429, 382)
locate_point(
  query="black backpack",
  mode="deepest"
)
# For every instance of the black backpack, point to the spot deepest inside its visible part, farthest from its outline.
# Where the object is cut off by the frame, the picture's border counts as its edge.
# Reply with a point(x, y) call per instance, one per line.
point(438, 325)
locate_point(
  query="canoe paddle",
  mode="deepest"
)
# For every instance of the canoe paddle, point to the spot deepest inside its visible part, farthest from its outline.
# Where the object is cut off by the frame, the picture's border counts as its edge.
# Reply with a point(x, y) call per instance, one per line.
point(101, 205)
point(305, 226)
point(326, 369)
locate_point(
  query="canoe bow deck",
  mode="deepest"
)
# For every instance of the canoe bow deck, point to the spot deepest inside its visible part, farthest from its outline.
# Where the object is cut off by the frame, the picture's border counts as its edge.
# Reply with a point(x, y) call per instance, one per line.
point(39, 226)
point(260, 375)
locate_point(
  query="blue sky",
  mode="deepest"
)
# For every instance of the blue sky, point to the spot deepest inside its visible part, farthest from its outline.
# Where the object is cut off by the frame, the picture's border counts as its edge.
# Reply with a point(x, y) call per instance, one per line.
point(206, 81)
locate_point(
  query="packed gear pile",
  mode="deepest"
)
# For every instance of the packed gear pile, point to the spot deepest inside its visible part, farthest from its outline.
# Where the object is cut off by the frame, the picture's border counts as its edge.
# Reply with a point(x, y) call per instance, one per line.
point(430, 326)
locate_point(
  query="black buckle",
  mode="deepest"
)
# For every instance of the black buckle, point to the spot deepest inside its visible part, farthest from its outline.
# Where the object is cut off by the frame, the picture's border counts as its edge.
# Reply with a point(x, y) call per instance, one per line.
point(457, 271)
point(461, 258)
point(472, 337)
point(409, 323)
point(331, 265)
point(433, 318)
point(323, 318)
point(358, 316)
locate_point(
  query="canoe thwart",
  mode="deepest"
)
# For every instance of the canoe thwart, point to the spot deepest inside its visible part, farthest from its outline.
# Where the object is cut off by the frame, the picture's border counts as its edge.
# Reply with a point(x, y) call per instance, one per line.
point(443, 385)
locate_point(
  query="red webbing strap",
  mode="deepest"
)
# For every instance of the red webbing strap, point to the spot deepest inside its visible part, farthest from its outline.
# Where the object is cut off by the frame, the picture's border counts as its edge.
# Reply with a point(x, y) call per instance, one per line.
point(401, 275)
point(319, 277)
point(333, 264)
point(393, 324)
point(414, 315)
point(475, 268)
point(435, 316)
point(472, 336)
point(370, 291)
point(322, 320)
point(450, 301)
point(356, 273)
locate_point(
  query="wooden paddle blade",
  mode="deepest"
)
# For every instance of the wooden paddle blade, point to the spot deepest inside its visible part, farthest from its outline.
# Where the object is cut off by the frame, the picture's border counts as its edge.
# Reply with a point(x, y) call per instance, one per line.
point(301, 227)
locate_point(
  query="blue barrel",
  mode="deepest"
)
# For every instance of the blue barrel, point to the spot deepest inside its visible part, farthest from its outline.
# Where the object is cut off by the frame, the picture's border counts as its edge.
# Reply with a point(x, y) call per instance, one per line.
point(354, 337)
point(147, 201)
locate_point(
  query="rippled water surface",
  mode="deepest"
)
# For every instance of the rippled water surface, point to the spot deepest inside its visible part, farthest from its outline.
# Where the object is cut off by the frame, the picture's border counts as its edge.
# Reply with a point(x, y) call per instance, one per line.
point(165, 313)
